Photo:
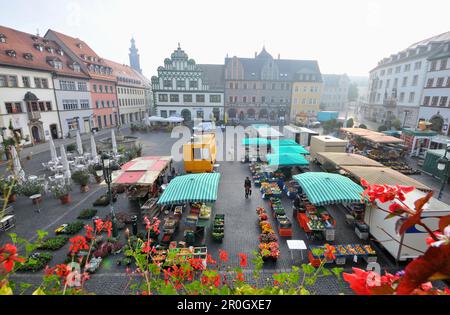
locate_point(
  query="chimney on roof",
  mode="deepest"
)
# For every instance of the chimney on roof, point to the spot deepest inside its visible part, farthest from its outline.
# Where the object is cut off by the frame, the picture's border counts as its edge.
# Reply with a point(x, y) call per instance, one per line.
point(278, 56)
point(37, 32)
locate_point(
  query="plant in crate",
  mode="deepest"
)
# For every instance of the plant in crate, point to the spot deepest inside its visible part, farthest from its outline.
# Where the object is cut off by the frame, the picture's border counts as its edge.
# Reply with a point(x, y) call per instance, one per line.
point(62, 192)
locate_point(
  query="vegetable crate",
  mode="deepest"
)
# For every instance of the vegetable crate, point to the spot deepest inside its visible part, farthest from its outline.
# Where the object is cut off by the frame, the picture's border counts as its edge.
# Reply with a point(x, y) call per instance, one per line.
point(218, 231)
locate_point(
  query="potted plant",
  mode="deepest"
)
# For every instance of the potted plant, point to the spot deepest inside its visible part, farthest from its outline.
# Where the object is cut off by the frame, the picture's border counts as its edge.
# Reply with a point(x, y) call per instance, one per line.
point(30, 188)
point(62, 192)
point(5, 186)
point(93, 169)
point(82, 178)
point(71, 147)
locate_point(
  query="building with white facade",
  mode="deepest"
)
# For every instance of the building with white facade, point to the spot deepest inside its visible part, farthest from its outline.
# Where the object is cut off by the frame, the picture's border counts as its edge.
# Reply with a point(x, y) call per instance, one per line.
point(396, 84)
point(435, 107)
point(184, 88)
point(334, 92)
point(29, 65)
point(131, 94)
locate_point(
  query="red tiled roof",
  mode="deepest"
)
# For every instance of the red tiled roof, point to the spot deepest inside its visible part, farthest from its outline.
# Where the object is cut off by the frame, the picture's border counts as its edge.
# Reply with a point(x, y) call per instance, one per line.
point(81, 50)
point(124, 71)
point(22, 43)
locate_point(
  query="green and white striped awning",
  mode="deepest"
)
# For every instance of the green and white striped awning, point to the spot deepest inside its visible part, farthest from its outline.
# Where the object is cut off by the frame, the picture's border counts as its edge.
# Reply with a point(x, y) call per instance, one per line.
point(191, 188)
point(290, 149)
point(286, 160)
point(327, 188)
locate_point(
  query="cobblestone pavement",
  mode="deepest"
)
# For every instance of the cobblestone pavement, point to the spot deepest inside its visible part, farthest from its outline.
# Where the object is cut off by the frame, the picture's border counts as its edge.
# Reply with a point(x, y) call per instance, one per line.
point(241, 227)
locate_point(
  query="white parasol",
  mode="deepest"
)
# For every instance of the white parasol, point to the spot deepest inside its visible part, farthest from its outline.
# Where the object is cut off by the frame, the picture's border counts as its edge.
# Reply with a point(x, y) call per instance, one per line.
point(94, 153)
point(65, 162)
point(53, 151)
point(79, 144)
point(113, 141)
point(17, 167)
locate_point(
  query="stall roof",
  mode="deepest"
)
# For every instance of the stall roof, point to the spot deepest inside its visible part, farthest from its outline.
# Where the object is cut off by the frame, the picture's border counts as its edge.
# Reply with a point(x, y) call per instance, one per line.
point(255, 141)
point(347, 159)
point(360, 131)
point(269, 132)
point(419, 133)
point(141, 171)
point(384, 175)
point(290, 149)
point(191, 188)
point(283, 142)
point(382, 139)
point(286, 160)
point(327, 188)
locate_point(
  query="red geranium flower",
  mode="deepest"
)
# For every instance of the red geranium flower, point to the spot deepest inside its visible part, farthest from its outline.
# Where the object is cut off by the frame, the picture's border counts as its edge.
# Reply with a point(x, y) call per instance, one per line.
point(98, 225)
point(89, 229)
point(240, 276)
point(329, 252)
point(210, 260)
point(108, 227)
point(243, 262)
point(8, 257)
point(223, 255)
point(78, 243)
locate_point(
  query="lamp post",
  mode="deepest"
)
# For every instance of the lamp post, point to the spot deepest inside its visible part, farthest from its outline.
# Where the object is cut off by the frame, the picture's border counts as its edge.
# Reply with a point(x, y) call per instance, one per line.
point(105, 169)
point(442, 166)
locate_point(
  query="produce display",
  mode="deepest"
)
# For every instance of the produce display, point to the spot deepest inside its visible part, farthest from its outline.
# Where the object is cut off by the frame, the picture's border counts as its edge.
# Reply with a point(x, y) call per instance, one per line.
point(205, 212)
point(347, 250)
point(270, 190)
point(218, 231)
point(369, 250)
point(268, 247)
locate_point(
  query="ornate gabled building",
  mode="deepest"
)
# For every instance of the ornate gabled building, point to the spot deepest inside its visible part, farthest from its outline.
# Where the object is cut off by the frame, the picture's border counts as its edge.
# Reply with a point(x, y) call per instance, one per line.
point(184, 88)
point(261, 87)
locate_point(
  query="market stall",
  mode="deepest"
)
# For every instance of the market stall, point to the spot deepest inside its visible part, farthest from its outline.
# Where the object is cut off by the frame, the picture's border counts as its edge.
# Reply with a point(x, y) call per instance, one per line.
point(431, 161)
point(301, 135)
point(140, 176)
point(417, 140)
point(343, 253)
point(326, 144)
point(199, 192)
point(322, 189)
point(332, 161)
point(266, 131)
point(255, 148)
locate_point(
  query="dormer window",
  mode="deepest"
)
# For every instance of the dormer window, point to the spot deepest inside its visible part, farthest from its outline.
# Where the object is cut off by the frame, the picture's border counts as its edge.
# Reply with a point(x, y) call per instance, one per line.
point(79, 45)
point(2, 38)
point(39, 47)
point(45, 41)
point(28, 56)
point(50, 50)
point(83, 57)
point(34, 38)
point(11, 53)
point(76, 67)
point(60, 52)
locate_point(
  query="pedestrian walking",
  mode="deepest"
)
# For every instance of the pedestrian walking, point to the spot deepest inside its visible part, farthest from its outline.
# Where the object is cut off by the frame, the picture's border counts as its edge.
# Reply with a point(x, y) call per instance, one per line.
point(248, 187)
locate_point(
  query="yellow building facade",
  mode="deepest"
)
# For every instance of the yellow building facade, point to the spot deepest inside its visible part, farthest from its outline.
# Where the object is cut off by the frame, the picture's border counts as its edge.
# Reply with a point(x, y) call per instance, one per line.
point(305, 100)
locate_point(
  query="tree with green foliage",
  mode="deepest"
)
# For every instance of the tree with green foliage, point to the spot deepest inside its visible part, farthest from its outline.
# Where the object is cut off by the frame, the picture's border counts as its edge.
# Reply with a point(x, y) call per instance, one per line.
point(362, 126)
point(350, 123)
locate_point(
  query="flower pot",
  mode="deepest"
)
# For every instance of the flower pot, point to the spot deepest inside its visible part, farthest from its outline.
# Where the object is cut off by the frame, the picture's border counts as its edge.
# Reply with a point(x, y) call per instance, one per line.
point(12, 198)
point(65, 199)
point(37, 200)
point(84, 188)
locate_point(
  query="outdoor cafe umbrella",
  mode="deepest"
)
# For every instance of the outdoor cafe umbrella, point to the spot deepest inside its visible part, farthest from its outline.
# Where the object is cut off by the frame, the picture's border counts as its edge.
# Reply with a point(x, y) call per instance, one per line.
point(65, 162)
point(53, 151)
point(17, 167)
point(94, 153)
point(113, 141)
point(79, 144)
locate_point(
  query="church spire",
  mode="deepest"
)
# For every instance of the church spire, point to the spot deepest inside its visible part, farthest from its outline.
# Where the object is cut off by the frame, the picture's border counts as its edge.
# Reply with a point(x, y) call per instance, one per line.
point(134, 57)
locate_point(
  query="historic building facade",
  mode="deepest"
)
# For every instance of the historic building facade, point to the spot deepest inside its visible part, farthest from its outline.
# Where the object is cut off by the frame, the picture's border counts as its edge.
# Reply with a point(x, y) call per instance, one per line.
point(260, 88)
point(102, 83)
point(397, 83)
point(30, 69)
point(306, 93)
point(335, 92)
point(435, 107)
point(184, 88)
point(131, 94)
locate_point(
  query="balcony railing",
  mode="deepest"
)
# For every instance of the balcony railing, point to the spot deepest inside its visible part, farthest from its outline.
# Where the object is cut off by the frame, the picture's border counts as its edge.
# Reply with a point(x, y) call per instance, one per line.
point(34, 115)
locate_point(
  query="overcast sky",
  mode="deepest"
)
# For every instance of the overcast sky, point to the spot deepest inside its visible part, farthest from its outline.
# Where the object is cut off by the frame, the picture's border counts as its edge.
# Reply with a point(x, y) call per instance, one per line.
point(345, 36)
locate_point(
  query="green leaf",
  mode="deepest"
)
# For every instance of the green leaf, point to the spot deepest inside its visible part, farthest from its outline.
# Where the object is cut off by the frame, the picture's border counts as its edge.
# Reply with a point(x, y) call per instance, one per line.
point(41, 234)
point(6, 290)
point(13, 237)
point(39, 291)
point(308, 269)
point(337, 271)
point(326, 272)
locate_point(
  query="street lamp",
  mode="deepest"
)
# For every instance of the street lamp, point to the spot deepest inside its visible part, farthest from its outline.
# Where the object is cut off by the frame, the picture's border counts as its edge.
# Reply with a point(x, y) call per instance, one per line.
point(442, 166)
point(105, 169)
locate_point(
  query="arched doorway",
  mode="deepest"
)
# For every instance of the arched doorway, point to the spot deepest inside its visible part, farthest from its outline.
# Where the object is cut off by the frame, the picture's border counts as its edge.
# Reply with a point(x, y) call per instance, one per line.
point(186, 114)
point(437, 123)
point(263, 113)
point(241, 115)
point(232, 113)
point(251, 113)
point(54, 131)
point(35, 134)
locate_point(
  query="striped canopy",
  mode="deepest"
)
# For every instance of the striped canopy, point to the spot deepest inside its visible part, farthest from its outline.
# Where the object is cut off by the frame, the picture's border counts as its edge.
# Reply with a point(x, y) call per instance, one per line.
point(283, 142)
point(191, 188)
point(142, 171)
point(286, 160)
point(327, 188)
point(255, 141)
point(291, 149)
